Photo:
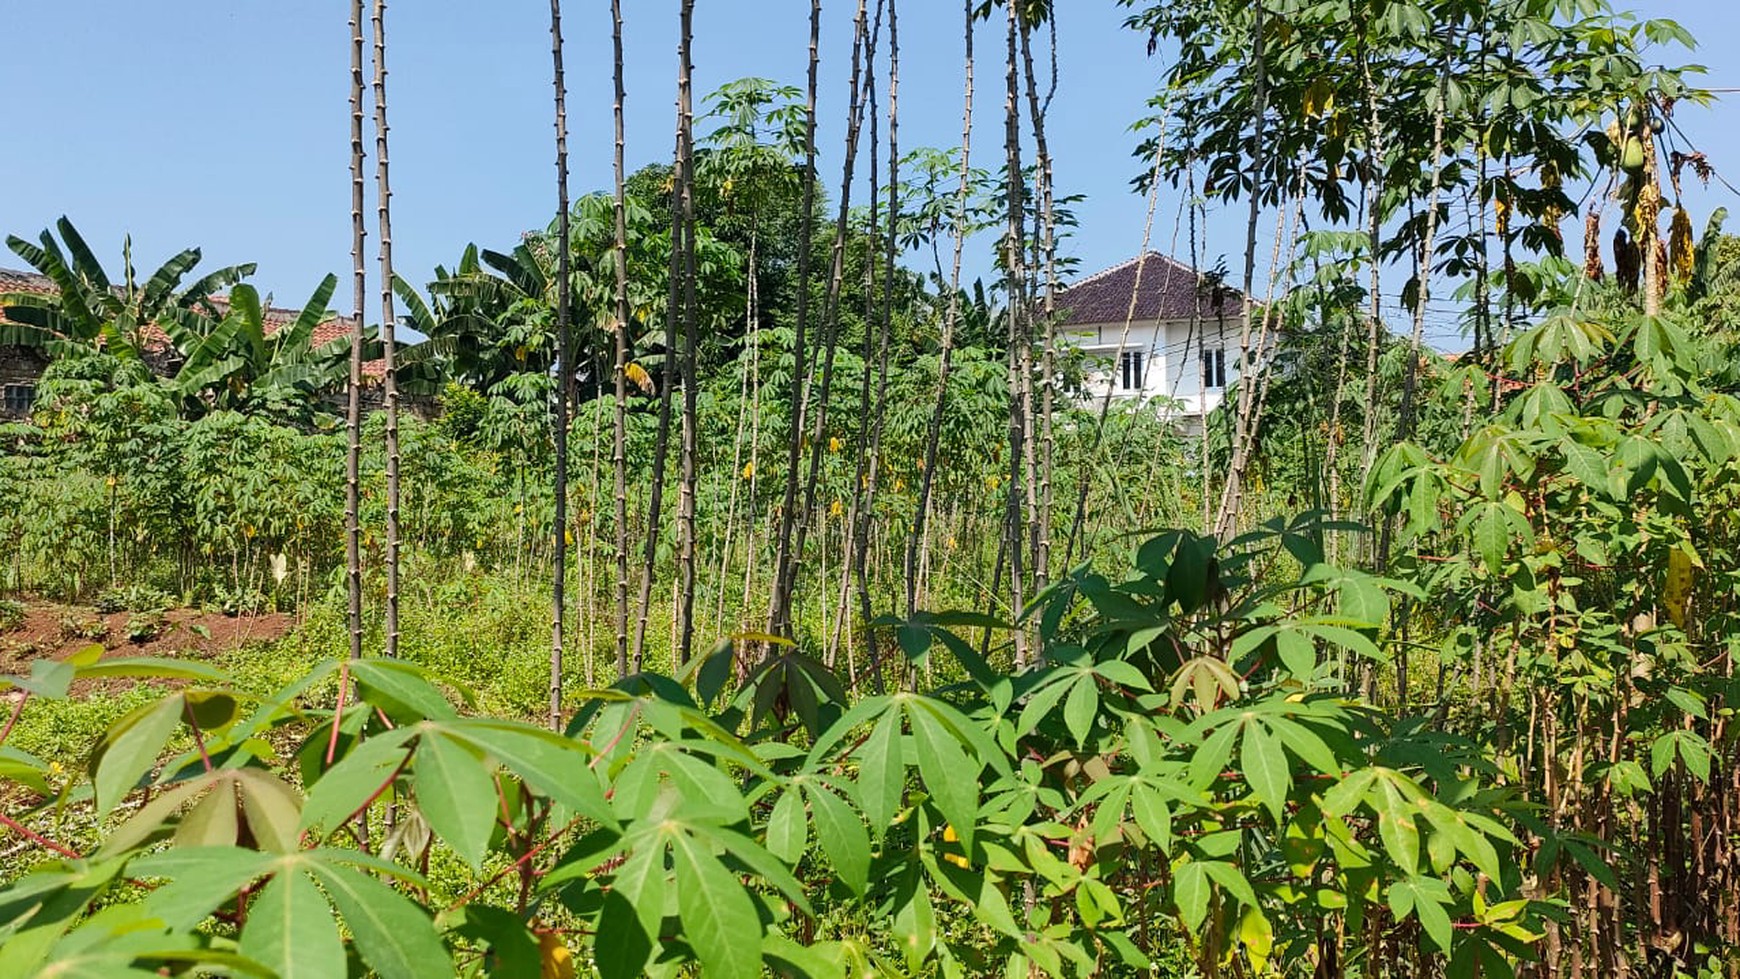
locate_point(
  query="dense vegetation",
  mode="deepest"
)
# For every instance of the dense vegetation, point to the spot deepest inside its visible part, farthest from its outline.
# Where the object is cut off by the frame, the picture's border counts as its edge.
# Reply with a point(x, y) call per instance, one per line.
point(886, 645)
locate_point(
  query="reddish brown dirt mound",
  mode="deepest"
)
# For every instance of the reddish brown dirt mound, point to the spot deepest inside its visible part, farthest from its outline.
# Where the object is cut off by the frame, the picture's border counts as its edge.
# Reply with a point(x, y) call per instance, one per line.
point(56, 631)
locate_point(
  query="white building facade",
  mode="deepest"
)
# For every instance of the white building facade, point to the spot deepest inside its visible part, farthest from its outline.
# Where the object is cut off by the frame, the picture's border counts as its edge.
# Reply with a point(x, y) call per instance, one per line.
point(1153, 330)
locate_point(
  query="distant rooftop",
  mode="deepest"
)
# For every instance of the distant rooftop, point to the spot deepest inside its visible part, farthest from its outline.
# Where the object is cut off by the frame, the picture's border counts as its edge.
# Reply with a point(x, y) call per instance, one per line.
point(15, 280)
point(1164, 289)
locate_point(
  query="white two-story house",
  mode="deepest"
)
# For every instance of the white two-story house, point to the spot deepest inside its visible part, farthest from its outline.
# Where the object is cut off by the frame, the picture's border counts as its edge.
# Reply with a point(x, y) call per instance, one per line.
point(1155, 330)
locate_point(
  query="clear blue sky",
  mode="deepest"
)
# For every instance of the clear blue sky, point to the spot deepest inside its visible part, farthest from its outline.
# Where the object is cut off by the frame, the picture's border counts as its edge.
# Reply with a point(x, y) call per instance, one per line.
point(223, 123)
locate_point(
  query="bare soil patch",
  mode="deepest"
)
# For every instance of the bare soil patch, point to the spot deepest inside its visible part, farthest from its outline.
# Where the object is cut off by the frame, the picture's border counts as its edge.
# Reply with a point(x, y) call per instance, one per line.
point(56, 631)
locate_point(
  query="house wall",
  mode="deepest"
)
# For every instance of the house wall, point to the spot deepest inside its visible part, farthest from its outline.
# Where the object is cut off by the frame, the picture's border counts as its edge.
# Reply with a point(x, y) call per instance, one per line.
point(19, 369)
point(1170, 354)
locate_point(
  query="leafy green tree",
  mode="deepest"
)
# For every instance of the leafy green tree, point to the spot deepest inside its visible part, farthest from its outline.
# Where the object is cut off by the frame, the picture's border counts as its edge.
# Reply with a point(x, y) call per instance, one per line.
point(87, 309)
point(244, 363)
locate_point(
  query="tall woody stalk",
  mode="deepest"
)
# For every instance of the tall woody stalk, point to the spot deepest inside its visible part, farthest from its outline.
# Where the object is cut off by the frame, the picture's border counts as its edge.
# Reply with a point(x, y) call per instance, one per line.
point(830, 311)
point(564, 371)
point(776, 612)
point(384, 208)
point(669, 375)
point(1048, 307)
point(1014, 251)
point(945, 361)
point(1232, 493)
point(619, 458)
point(353, 390)
point(685, 186)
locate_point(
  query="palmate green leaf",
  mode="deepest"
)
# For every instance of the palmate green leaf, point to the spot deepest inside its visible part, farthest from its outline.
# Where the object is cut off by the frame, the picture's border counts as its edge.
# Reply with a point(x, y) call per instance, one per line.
point(154, 667)
point(512, 948)
point(197, 880)
point(719, 918)
point(1190, 893)
point(1396, 825)
point(842, 836)
point(1152, 815)
point(881, 773)
point(643, 881)
point(152, 816)
point(950, 777)
point(273, 809)
point(1264, 765)
point(393, 935)
point(788, 827)
point(48, 679)
point(1336, 634)
point(290, 930)
point(213, 822)
point(1210, 759)
point(914, 922)
point(1426, 899)
point(1304, 744)
point(344, 788)
point(53, 900)
point(130, 748)
point(402, 690)
point(1232, 880)
point(550, 763)
point(1347, 794)
point(1041, 703)
point(456, 795)
point(1489, 532)
point(1081, 707)
point(1298, 653)
point(24, 768)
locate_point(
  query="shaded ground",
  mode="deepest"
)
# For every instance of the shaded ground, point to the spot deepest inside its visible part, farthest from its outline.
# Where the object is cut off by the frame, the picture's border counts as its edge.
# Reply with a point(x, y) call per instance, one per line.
point(57, 631)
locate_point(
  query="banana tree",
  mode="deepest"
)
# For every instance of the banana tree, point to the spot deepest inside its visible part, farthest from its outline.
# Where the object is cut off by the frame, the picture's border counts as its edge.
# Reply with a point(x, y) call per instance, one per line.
point(242, 363)
point(87, 309)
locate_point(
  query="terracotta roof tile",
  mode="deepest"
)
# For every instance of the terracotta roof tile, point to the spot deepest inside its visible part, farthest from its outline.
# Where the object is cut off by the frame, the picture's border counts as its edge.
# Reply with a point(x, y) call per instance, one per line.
point(1164, 289)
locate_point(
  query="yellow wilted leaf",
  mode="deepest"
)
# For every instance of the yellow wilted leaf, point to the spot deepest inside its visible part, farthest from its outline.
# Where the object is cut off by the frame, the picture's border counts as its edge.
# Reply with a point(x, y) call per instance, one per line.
point(950, 836)
point(1679, 586)
point(833, 443)
point(1258, 938)
point(835, 509)
point(1319, 98)
point(1681, 250)
point(749, 469)
point(558, 962)
point(638, 375)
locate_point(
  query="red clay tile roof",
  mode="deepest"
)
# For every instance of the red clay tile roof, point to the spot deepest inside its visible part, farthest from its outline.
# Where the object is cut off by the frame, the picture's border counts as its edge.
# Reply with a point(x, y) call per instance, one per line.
point(1164, 289)
point(12, 280)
